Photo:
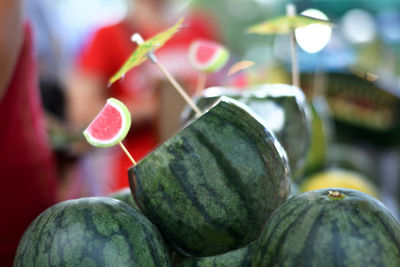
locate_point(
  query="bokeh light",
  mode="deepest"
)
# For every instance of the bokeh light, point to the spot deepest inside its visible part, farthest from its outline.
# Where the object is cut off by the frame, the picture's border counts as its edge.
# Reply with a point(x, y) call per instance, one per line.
point(313, 38)
point(358, 26)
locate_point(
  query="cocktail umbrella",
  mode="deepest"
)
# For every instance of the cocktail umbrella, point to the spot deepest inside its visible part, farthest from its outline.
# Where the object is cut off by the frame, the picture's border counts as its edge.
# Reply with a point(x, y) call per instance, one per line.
point(145, 50)
point(287, 25)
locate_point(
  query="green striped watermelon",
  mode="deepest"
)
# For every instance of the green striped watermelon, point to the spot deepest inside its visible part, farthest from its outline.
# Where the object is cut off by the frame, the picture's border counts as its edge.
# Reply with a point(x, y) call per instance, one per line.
point(321, 135)
point(211, 187)
point(125, 195)
point(240, 257)
point(98, 231)
point(330, 227)
point(284, 109)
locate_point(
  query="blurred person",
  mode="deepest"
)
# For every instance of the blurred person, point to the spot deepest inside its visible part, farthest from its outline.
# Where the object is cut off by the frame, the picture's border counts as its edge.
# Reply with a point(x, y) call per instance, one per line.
point(27, 170)
point(102, 57)
point(50, 53)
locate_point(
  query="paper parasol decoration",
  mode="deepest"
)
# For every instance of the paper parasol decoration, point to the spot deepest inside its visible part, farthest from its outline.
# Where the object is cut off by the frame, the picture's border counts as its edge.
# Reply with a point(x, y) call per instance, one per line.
point(140, 55)
point(286, 25)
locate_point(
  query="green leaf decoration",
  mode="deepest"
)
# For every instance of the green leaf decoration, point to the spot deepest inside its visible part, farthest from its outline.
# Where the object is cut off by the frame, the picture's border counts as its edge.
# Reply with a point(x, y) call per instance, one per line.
point(140, 54)
point(284, 24)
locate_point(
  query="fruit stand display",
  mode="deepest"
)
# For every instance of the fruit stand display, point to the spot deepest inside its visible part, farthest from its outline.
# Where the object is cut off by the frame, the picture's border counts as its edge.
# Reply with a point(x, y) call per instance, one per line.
point(225, 190)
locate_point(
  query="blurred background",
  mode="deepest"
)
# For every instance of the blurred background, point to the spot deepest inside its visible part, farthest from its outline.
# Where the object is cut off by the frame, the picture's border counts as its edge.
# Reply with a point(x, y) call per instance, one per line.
point(350, 74)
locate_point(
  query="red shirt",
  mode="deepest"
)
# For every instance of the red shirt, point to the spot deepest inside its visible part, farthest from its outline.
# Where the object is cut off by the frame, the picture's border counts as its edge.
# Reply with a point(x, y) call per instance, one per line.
point(28, 175)
point(111, 46)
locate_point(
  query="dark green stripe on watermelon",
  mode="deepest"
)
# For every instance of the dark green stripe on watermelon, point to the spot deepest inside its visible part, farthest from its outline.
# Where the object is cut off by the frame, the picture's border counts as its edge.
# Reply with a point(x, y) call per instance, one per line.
point(91, 232)
point(240, 257)
point(313, 229)
point(211, 187)
point(283, 108)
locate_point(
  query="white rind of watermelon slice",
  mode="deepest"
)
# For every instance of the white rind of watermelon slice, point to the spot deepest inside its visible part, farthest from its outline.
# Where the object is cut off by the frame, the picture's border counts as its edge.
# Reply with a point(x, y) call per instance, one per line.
point(207, 56)
point(110, 126)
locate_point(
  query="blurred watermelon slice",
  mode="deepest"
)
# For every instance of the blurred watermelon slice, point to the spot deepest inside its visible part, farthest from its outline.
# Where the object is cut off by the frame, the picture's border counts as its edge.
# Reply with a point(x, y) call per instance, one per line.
point(110, 126)
point(207, 56)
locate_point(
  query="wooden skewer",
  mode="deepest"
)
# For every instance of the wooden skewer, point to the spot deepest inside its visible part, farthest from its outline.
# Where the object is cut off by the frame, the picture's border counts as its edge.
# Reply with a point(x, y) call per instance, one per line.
point(291, 11)
point(179, 88)
point(201, 82)
point(127, 153)
point(139, 40)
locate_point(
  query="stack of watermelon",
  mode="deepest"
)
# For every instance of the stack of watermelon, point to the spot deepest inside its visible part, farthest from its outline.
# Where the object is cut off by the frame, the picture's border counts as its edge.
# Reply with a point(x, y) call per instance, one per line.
point(215, 194)
point(208, 190)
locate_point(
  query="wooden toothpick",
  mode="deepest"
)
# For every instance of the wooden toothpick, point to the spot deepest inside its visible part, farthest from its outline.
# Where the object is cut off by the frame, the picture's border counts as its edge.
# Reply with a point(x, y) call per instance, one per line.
point(139, 40)
point(291, 12)
point(127, 153)
point(201, 82)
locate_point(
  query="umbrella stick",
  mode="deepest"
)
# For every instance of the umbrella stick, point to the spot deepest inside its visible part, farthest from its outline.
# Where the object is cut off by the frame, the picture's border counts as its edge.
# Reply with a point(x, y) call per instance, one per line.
point(295, 67)
point(201, 82)
point(139, 40)
point(291, 12)
point(179, 88)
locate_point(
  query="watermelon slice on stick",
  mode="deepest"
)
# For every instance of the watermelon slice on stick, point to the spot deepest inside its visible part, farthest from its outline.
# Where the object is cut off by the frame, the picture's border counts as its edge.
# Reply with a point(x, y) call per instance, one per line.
point(207, 57)
point(110, 126)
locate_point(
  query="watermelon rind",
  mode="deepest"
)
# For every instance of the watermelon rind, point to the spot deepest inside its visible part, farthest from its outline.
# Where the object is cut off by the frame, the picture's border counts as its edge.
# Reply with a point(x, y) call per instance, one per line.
point(283, 108)
point(212, 186)
point(218, 60)
point(126, 124)
point(94, 231)
point(330, 227)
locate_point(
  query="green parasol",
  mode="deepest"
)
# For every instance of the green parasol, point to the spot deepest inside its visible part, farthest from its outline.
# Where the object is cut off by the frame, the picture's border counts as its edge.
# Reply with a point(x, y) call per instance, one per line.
point(145, 50)
point(140, 55)
point(287, 25)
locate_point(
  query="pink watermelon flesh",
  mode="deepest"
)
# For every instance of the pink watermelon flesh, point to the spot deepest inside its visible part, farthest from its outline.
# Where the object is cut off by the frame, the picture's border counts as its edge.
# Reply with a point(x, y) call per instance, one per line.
point(107, 124)
point(205, 51)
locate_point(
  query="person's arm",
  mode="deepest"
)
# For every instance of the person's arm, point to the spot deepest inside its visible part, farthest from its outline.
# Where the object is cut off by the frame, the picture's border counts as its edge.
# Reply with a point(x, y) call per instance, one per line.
point(11, 35)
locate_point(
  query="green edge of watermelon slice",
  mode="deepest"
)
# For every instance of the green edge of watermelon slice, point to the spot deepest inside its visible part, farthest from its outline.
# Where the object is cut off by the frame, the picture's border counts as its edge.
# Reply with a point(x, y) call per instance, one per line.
point(207, 56)
point(110, 126)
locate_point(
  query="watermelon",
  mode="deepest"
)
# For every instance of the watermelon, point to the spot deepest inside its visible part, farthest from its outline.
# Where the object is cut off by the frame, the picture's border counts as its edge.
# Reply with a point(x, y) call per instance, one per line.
point(283, 108)
point(240, 257)
point(211, 187)
point(321, 135)
point(110, 126)
point(97, 231)
point(207, 56)
point(365, 109)
point(330, 227)
point(125, 195)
